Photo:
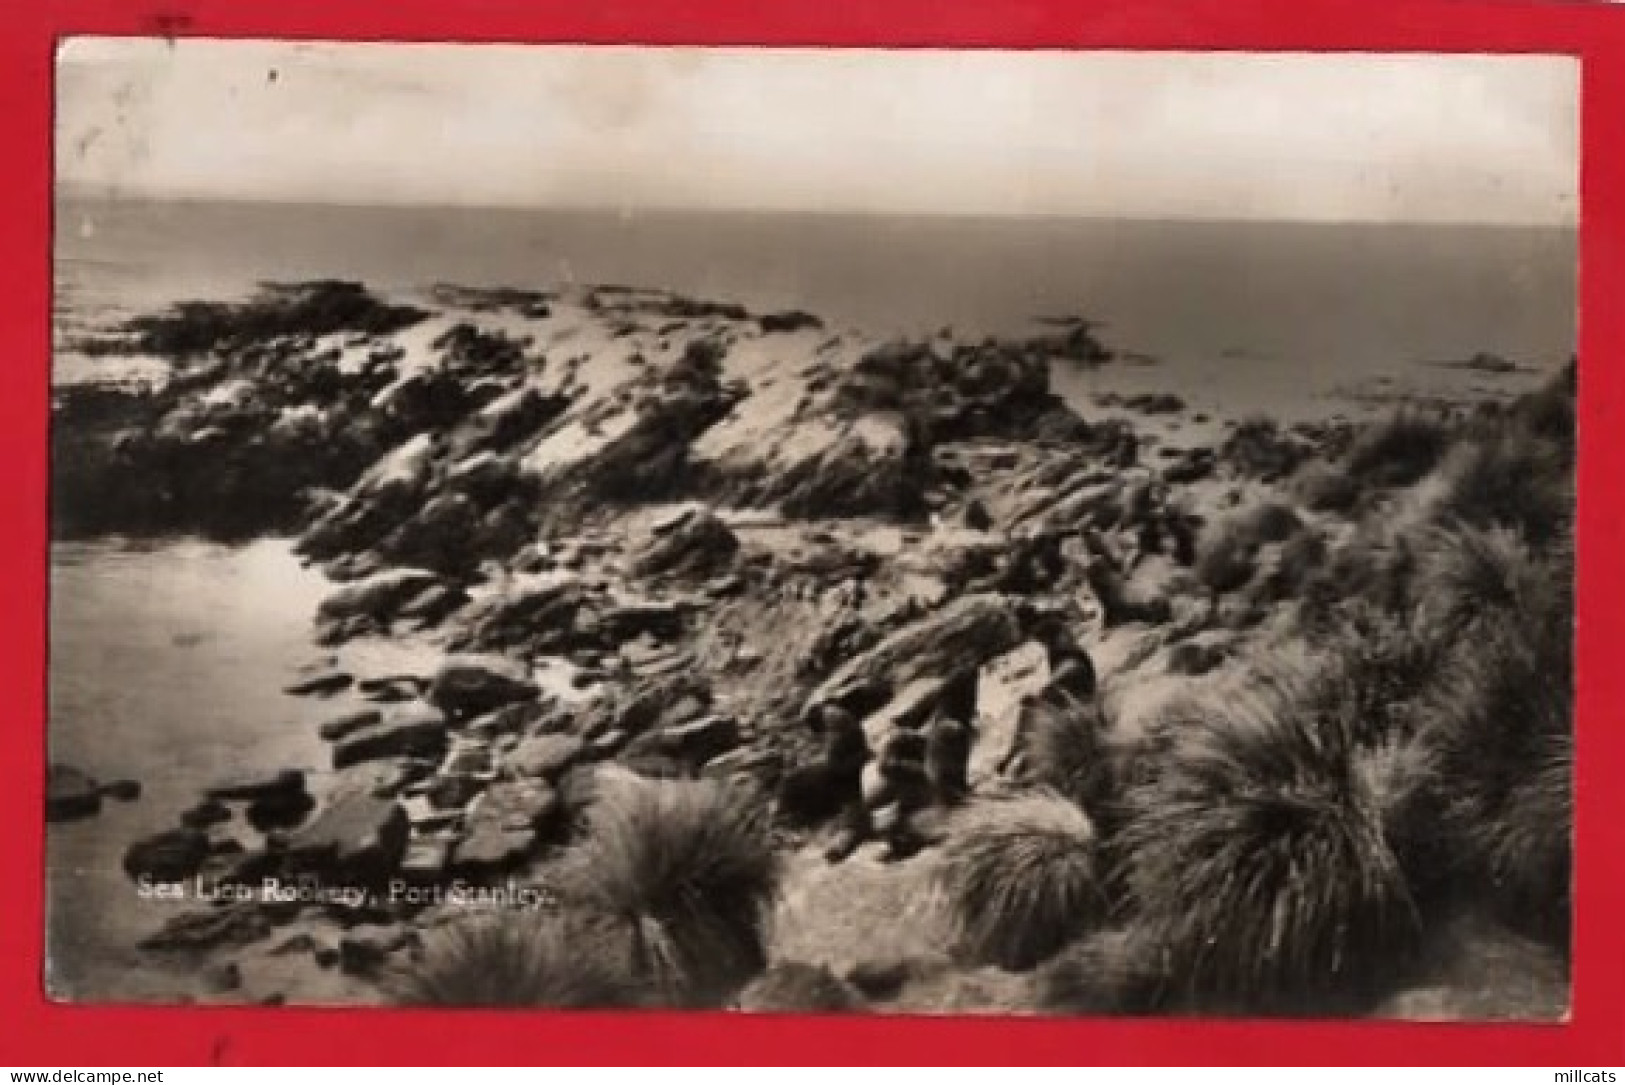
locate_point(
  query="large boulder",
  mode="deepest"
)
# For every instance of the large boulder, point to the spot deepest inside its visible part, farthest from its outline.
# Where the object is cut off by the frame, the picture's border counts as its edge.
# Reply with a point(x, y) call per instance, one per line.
point(538, 612)
point(962, 635)
point(486, 849)
point(694, 544)
point(411, 730)
point(516, 804)
point(470, 685)
point(504, 826)
point(874, 470)
point(390, 492)
point(438, 535)
point(70, 794)
point(169, 856)
point(378, 597)
point(356, 836)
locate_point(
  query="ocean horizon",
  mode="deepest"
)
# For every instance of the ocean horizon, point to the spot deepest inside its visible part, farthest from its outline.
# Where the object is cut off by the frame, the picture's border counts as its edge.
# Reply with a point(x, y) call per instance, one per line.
point(1282, 317)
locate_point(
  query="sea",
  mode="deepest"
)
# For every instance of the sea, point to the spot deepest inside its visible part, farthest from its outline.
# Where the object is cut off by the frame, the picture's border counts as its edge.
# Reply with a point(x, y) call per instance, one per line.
point(168, 658)
point(1237, 317)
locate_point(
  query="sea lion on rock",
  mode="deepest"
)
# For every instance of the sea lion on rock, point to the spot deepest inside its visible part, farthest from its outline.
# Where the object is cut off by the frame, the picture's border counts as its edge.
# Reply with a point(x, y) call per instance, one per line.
point(893, 792)
point(947, 758)
point(831, 782)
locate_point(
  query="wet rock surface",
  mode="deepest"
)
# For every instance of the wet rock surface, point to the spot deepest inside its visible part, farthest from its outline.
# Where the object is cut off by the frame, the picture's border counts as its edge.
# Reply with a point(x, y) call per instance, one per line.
point(70, 794)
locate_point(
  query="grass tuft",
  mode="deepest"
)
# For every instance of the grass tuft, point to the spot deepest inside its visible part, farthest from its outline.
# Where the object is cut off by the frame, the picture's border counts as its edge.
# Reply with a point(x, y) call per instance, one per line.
point(1398, 450)
point(689, 865)
point(1255, 853)
point(1019, 879)
point(1064, 752)
point(562, 961)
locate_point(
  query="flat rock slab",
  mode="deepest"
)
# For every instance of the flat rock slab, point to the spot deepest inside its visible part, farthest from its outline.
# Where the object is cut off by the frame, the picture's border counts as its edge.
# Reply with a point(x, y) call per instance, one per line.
point(416, 730)
point(392, 688)
point(249, 787)
point(700, 740)
point(965, 633)
point(339, 726)
point(515, 804)
point(433, 603)
point(489, 850)
point(743, 761)
point(384, 778)
point(545, 756)
point(1002, 687)
point(607, 744)
point(200, 932)
point(378, 596)
point(321, 685)
point(469, 759)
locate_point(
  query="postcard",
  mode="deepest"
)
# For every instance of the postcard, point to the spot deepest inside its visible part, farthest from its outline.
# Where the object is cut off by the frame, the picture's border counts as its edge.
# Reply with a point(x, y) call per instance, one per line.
point(812, 530)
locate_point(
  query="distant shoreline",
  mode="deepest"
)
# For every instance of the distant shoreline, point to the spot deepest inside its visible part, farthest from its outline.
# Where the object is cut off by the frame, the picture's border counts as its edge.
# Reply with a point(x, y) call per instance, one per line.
point(64, 197)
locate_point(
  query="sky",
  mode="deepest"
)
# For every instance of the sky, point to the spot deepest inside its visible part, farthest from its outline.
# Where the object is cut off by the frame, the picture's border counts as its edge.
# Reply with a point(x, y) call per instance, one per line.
point(1331, 137)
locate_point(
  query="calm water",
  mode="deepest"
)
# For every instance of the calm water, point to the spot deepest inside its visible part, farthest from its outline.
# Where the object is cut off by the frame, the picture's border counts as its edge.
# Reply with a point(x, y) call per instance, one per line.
point(1241, 316)
point(167, 665)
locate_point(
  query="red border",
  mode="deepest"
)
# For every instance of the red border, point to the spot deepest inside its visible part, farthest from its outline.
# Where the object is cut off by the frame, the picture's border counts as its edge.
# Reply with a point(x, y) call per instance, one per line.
point(37, 1032)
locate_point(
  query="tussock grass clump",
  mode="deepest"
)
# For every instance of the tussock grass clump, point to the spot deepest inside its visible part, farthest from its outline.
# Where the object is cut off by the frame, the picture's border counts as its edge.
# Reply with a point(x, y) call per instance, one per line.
point(1255, 853)
point(1019, 879)
point(1503, 733)
point(1229, 555)
point(1549, 413)
point(1064, 752)
point(1510, 478)
point(1382, 670)
point(522, 959)
point(1378, 568)
point(1479, 576)
point(1257, 448)
point(1398, 450)
point(689, 865)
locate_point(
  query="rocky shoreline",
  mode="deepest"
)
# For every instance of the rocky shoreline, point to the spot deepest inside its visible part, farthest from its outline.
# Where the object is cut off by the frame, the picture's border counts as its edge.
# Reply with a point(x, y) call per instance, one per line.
point(637, 534)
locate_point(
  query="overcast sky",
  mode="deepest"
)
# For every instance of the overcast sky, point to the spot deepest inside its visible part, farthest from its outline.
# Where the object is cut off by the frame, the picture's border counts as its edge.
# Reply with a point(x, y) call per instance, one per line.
point(1340, 136)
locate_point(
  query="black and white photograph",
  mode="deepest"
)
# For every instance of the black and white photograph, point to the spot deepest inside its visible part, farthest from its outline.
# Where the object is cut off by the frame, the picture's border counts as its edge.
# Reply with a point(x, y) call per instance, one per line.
point(862, 531)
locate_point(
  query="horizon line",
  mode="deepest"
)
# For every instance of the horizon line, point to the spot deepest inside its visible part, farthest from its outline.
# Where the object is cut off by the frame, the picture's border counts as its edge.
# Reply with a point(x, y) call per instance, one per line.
point(73, 191)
